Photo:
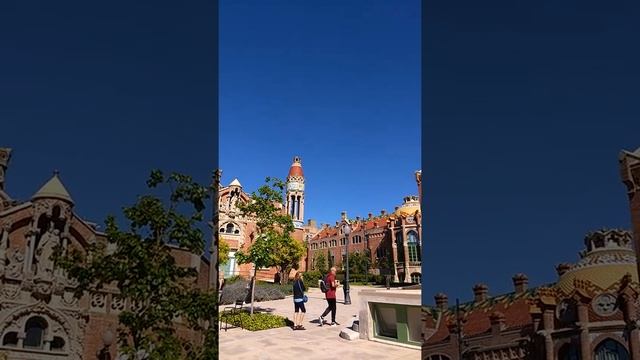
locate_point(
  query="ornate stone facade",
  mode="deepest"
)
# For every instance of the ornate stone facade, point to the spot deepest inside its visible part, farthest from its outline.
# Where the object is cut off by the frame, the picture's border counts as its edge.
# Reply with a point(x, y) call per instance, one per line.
point(40, 318)
point(630, 173)
point(392, 241)
point(592, 308)
point(591, 312)
point(239, 231)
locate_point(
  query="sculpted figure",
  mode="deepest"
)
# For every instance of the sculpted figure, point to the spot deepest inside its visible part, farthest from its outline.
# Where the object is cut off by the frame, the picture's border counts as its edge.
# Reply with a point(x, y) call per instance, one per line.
point(44, 252)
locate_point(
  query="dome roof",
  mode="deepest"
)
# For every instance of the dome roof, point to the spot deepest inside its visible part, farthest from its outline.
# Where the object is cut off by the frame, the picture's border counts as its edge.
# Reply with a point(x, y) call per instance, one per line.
point(409, 207)
point(53, 189)
point(296, 168)
point(608, 258)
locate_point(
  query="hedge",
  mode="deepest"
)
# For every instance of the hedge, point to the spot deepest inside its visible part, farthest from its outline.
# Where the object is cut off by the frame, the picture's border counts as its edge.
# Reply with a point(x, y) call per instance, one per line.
point(257, 321)
point(238, 290)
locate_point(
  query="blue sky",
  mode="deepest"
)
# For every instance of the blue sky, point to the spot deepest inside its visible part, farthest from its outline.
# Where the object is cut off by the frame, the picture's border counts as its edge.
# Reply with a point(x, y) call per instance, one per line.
point(105, 92)
point(337, 83)
point(527, 105)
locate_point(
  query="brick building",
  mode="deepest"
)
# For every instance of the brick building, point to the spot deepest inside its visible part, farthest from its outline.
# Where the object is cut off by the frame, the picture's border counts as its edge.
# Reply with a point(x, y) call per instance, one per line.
point(391, 241)
point(39, 316)
point(239, 231)
point(591, 312)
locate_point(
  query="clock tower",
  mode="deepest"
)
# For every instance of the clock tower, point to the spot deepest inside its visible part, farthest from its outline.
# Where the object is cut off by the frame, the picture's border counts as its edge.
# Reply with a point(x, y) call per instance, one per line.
point(295, 193)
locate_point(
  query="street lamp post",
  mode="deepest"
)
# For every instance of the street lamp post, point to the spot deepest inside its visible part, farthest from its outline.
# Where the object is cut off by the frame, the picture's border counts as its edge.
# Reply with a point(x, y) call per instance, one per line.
point(346, 229)
point(107, 340)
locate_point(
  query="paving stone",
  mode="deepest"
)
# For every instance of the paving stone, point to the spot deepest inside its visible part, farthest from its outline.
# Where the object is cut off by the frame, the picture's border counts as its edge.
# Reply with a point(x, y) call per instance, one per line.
point(349, 334)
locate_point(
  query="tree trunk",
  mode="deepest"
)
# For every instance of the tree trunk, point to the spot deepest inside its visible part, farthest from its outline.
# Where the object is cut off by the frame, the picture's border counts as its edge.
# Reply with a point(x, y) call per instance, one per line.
point(253, 287)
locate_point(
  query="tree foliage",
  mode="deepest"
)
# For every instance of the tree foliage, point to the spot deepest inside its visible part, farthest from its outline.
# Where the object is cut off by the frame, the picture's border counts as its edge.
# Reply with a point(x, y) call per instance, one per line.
point(273, 245)
point(359, 263)
point(320, 262)
point(223, 251)
point(140, 264)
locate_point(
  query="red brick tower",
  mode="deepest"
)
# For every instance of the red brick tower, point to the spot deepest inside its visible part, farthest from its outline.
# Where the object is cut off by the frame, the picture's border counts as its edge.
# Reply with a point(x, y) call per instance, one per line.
point(630, 172)
point(295, 193)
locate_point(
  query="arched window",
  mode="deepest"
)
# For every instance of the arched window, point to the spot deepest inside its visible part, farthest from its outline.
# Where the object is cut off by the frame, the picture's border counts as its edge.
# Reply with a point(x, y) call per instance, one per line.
point(34, 332)
point(10, 339)
point(568, 352)
point(400, 247)
point(611, 350)
point(414, 246)
point(416, 278)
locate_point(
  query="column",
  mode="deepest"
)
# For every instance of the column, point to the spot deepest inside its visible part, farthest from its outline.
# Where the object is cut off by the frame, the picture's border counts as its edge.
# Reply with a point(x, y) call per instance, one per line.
point(585, 342)
point(301, 207)
point(405, 246)
point(394, 254)
point(548, 320)
point(29, 251)
point(4, 242)
point(631, 319)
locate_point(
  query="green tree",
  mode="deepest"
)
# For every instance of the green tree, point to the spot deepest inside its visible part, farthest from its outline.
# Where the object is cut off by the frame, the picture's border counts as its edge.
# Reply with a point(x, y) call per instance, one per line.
point(320, 263)
point(359, 263)
point(223, 251)
point(140, 264)
point(287, 253)
point(273, 245)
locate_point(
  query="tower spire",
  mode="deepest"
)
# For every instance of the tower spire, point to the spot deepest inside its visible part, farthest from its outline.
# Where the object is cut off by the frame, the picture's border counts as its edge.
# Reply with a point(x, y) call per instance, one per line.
point(295, 192)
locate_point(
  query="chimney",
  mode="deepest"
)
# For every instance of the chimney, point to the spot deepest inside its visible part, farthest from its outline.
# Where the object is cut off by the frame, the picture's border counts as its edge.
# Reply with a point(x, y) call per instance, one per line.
point(520, 283)
point(561, 269)
point(343, 215)
point(383, 212)
point(312, 224)
point(396, 208)
point(357, 218)
point(442, 301)
point(497, 322)
point(337, 223)
point(370, 216)
point(480, 292)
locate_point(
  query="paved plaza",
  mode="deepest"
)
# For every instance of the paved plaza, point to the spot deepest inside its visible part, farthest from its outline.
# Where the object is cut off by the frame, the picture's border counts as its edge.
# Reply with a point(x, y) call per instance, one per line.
point(315, 343)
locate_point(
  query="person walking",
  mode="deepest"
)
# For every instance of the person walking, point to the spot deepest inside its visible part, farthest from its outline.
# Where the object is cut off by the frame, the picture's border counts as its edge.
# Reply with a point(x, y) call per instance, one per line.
point(299, 298)
point(332, 284)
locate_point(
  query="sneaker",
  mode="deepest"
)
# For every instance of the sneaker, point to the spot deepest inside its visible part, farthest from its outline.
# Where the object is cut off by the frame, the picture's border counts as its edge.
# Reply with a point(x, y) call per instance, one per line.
point(337, 323)
point(334, 324)
point(321, 320)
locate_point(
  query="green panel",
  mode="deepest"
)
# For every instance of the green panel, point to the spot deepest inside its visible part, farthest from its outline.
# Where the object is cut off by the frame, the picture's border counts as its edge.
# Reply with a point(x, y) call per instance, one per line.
point(383, 314)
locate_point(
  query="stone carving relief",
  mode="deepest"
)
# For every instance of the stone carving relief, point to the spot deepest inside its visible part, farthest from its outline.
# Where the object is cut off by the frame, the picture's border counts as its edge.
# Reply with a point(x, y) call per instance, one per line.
point(98, 302)
point(69, 299)
point(5, 156)
point(117, 304)
point(566, 312)
point(16, 263)
point(10, 291)
point(605, 304)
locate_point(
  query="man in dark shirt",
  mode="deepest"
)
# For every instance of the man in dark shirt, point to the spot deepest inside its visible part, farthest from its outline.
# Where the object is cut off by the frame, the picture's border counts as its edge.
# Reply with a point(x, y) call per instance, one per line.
point(332, 284)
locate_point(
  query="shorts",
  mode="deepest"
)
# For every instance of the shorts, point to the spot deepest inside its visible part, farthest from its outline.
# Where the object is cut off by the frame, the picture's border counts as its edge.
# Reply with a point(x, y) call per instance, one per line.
point(299, 306)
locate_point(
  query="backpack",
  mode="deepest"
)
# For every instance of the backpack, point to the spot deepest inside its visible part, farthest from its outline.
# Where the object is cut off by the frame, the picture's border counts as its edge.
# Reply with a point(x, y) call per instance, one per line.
point(323, 284)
